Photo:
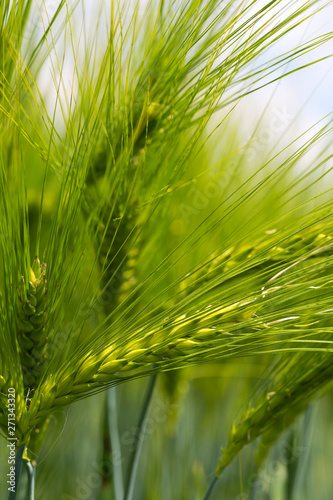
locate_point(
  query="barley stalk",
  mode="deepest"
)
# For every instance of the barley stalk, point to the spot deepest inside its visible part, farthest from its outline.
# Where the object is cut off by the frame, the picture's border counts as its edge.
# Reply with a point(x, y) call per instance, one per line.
point(226, 307)
point(186, 338)
point(117, 259)
point(277, 407)
point(260, 257)
point(183, 337)
point(31, 318)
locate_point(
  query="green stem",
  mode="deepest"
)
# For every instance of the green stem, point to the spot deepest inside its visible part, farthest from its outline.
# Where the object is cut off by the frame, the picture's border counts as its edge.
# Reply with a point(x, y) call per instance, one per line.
point(210, 488)
point(308, 429)
point(253, 488)
point(31, 479)
point(18, 461)
point(118, 482)
point(135, 455)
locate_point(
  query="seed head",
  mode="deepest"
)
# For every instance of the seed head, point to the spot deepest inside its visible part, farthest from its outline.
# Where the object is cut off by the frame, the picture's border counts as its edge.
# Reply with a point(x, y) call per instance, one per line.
point(30, 320)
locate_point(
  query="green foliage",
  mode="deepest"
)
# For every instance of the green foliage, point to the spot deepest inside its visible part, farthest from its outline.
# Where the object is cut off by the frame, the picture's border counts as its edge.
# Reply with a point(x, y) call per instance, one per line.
point(164, 247)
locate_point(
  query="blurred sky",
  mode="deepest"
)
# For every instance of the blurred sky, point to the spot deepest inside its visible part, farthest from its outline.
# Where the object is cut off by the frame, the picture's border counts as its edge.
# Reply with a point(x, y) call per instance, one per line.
point(308, 92)
point(311, 88)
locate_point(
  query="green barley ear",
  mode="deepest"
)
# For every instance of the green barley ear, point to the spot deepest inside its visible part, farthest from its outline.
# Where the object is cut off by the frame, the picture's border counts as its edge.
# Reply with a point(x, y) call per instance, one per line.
point(277, 408)
point(117, 256)
point(31, 318)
